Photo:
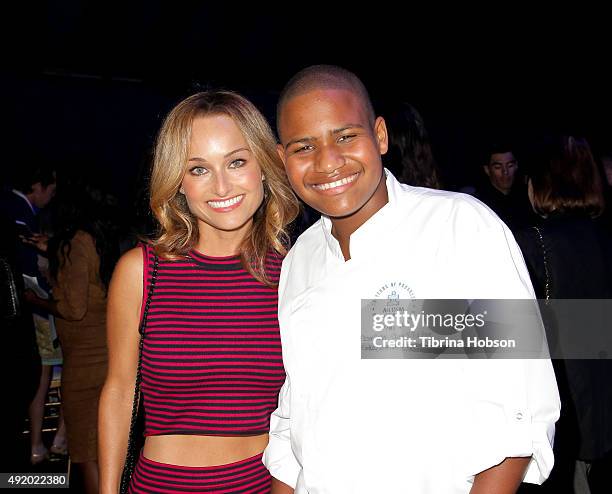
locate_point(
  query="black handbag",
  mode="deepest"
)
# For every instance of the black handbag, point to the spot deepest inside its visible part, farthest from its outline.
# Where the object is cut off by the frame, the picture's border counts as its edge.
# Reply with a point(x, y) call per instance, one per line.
point(136, 437)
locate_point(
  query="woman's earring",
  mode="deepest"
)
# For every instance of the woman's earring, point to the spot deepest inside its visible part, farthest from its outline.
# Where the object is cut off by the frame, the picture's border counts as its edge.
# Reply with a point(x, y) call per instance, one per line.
point(182, 191)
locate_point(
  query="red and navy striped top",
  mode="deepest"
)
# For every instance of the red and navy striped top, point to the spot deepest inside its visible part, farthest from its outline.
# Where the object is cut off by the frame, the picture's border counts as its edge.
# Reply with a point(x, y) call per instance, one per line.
point(211, 360)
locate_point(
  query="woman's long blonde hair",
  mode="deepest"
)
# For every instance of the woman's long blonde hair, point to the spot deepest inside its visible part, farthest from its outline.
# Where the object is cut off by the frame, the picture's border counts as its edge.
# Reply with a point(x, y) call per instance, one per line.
point(178, 229)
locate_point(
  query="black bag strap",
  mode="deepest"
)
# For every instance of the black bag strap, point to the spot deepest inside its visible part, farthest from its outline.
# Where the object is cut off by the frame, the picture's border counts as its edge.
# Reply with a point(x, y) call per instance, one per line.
point(8, 288)
point(547, 284)
point(132, 454)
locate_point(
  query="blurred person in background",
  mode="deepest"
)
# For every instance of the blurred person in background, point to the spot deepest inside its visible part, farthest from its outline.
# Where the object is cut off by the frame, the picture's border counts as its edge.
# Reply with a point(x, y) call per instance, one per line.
point(569, 256)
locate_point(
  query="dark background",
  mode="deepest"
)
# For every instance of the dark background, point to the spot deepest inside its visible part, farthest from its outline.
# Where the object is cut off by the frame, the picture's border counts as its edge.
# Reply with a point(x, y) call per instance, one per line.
point(86, 84)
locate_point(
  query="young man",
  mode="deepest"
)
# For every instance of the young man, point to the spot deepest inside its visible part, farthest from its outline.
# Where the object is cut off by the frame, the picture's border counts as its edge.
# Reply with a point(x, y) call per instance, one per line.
point(503, 191)
point(350, 425)
point(34, 187)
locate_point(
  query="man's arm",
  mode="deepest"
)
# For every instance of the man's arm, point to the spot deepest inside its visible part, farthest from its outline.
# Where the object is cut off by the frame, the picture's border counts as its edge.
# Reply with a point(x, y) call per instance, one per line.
point(514, 402)
point(504, 478)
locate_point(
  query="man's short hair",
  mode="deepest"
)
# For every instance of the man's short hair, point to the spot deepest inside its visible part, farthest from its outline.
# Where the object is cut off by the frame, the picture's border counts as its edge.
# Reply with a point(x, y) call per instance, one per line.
point(324, 77)
point(32, 172)
point(498, 147)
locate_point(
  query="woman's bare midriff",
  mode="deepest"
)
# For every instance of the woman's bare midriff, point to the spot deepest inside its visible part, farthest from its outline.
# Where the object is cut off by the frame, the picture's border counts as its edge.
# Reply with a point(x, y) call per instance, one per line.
point(203, 451)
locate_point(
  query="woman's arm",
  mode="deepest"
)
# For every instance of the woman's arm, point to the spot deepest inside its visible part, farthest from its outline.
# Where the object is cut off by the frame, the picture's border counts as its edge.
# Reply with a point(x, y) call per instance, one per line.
point(47, 305)
point(123, 318)
point(279, 487)
point(504, 478)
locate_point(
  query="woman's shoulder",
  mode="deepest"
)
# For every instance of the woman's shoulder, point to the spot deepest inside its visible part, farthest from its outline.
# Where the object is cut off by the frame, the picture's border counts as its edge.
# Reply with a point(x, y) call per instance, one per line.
point(130, 264)
point(84, 238)
point(82, 243)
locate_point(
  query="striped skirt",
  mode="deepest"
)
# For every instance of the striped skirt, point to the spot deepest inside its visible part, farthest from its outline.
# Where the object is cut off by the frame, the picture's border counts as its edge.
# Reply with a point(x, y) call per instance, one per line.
point(248, 476)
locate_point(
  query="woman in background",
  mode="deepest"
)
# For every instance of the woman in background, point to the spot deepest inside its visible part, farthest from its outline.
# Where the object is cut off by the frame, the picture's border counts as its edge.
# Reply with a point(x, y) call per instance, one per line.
point(82, 255)
point(410, 157)
point(569, 255)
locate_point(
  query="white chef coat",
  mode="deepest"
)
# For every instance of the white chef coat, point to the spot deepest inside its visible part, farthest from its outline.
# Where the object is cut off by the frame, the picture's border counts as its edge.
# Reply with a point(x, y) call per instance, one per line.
point(350, 425)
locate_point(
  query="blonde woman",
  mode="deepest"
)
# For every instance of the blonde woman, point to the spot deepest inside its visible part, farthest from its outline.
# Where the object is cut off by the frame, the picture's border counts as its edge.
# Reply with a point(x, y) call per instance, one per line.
point(211, 359)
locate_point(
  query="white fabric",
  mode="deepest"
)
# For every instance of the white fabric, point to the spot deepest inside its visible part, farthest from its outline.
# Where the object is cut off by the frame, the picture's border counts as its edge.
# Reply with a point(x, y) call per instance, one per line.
point(347, 425)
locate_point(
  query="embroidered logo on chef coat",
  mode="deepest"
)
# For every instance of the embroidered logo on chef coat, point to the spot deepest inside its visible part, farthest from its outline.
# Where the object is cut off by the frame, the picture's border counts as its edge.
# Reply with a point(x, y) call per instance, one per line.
point(395, 293)
point(394, 290)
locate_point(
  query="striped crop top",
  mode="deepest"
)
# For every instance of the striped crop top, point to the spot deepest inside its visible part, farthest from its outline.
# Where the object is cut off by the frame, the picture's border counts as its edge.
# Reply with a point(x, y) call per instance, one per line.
point(211, 360)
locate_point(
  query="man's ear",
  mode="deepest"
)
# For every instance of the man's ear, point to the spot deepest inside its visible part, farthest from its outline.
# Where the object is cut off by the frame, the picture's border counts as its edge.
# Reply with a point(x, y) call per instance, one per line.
point(487, 171)
point(382, 136)
point(281, 152)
